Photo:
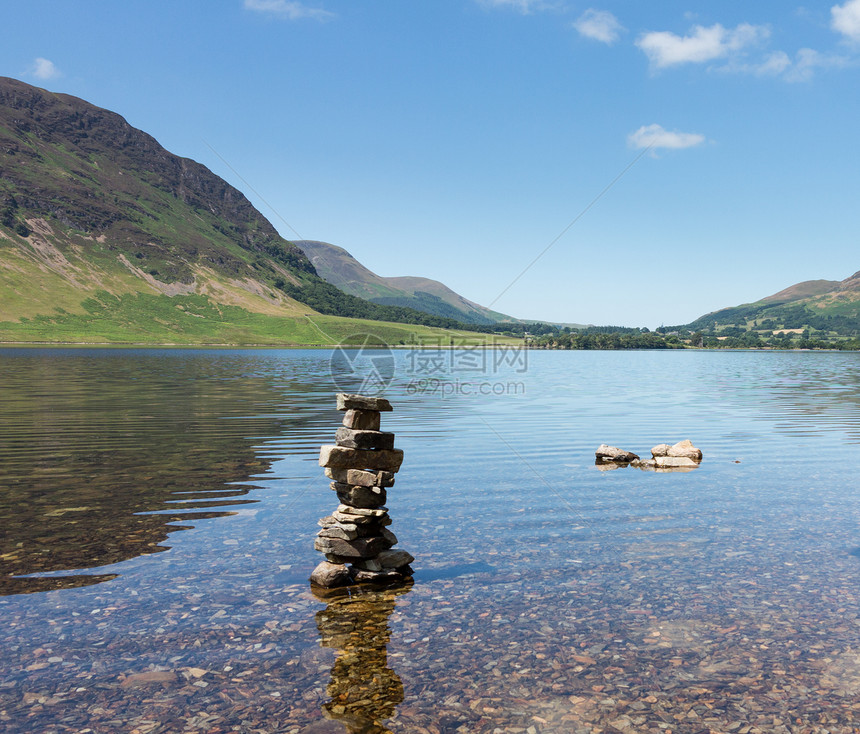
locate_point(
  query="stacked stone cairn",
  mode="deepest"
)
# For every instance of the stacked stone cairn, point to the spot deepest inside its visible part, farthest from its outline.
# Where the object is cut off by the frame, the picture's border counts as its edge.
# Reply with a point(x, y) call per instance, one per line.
point(355, 538)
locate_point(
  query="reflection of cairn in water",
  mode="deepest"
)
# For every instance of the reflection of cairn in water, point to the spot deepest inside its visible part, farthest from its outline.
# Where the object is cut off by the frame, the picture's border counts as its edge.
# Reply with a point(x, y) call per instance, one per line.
point(364, 691)
point(362, 464)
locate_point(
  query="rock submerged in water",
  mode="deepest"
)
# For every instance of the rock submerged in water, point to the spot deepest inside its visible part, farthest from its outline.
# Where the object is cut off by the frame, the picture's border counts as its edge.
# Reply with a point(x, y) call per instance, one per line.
point(613, 454)
point(680, 457)
point(682, 449)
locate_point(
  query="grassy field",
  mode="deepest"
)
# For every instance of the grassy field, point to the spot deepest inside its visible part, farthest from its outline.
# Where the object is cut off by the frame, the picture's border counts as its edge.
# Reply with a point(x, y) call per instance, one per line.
point(157, 319)
point(53, 296)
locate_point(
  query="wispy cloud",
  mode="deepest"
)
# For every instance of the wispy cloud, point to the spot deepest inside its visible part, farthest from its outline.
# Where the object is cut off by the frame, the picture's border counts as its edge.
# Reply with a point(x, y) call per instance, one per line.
point(289, 9)
point(521, 6)
point(664, 48)
point(655, 137)
point(44, 69)
point(799, 69)
point(845, 19)
point(599, 25)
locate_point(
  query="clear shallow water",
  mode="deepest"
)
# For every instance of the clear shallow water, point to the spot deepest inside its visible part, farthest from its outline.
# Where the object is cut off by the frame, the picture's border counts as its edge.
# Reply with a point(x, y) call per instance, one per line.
point(548, 595)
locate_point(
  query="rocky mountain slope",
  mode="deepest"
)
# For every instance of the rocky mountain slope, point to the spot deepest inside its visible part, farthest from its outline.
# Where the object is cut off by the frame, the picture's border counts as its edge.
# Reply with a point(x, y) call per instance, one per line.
point(100, 226)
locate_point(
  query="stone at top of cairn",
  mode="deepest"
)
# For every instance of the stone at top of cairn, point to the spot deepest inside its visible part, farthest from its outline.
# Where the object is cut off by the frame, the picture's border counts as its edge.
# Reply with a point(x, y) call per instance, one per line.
point(355, 538)
point(360, 402)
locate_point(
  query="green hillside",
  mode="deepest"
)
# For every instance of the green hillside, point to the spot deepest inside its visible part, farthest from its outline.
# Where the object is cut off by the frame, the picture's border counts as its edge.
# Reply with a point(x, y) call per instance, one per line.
point(105, 236)
point(336, 266)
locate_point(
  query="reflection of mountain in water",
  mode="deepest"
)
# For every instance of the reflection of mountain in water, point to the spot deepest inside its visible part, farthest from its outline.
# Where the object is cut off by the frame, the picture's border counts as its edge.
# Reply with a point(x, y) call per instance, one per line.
point(101, 454)
point(364, 691)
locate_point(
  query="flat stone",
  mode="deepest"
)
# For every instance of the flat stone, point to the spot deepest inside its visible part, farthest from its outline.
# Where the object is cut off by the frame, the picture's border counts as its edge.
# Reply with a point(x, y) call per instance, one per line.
point(362, 521)
point(362, 420)
point(342, 531)
point(675, 461)
point(340, 457)
point(371, 440)
point(614, 454)
point(360, 478)
point(329, 575)
point(361, 402)
point(365, 497)
point(394, 558)
point(368, 564)
point(337, 560)
point(388, 576)
point(358, 548)
point(362, 511)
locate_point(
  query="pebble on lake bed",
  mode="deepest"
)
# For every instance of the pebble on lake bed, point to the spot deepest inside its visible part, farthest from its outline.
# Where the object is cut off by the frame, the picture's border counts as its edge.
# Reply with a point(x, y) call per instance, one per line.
point(362, 463)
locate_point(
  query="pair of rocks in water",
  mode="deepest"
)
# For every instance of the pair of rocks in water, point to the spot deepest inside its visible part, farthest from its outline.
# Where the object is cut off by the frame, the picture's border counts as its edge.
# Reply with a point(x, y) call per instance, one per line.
point(355, 538)
point(682, 456)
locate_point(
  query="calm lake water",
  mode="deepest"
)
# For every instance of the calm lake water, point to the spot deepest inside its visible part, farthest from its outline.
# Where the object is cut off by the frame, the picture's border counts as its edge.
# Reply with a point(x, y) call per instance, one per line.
point(158, 510)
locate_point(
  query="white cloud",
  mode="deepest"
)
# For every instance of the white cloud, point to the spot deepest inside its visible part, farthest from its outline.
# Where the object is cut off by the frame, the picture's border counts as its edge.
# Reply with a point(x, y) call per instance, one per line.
point(289, 9)
point(664, 48)
point(780, 64)
point(774, 64)
point(523, 6)
point(655, 136)
point(845, 19)
point(601, 25)
point(44, 69)
point(808, 60)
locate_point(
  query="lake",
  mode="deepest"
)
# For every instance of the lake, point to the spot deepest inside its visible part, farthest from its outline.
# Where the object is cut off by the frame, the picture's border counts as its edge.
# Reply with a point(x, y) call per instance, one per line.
point(158, 509)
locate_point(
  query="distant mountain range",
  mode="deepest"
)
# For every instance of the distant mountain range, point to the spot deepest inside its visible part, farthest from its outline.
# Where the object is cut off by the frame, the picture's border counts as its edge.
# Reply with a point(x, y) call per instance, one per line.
point(107, 236)
point(338, 267)
point(825, 305)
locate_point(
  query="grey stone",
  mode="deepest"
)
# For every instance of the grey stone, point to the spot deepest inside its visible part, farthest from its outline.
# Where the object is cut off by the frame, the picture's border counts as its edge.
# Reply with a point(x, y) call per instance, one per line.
point(340, 457)
point(358, 548)
point(331, 574)
point(366, 497)
point(389, 537)
point(362, 521)
point(361, 402)
point(394, 558)
point(614, 454)
point(362, 420)
point(368, 564)
point(344, 532)
point(361, 478)
point(389, 576)
point(371, 440)
point(337, 560)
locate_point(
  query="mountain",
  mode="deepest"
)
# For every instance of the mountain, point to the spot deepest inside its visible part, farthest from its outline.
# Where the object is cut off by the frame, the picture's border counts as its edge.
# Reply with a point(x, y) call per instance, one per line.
point(829, 306)
point(107, 236)
point(806, 289)
point(336, 266)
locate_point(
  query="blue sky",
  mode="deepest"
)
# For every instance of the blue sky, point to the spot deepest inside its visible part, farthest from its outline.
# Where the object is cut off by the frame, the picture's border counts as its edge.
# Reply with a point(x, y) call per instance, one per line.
point(457, 139)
